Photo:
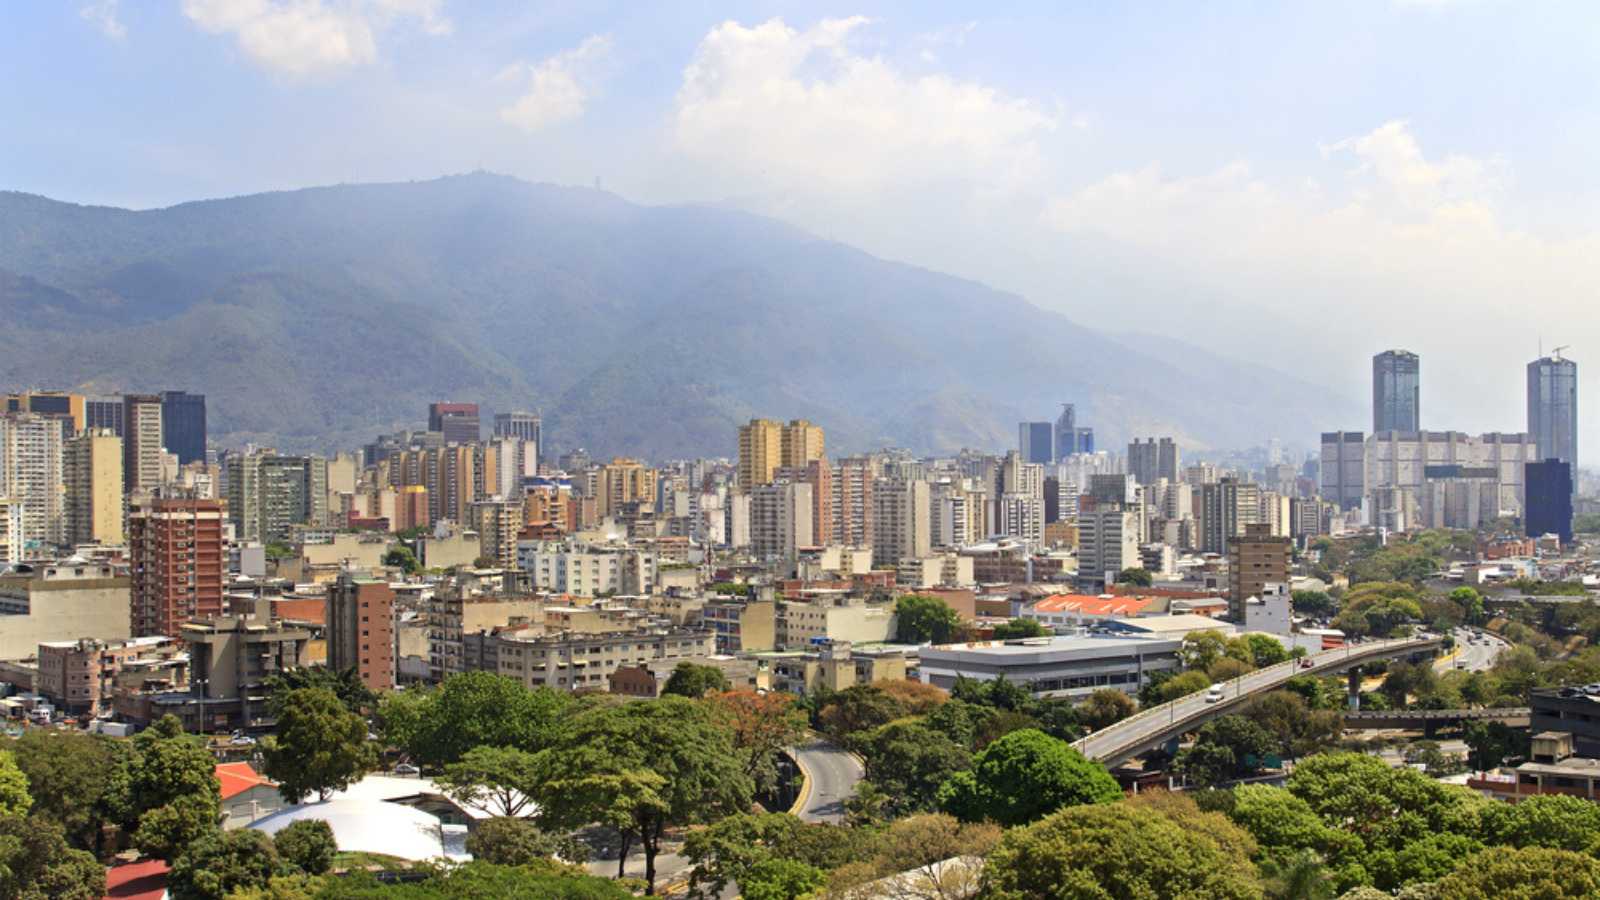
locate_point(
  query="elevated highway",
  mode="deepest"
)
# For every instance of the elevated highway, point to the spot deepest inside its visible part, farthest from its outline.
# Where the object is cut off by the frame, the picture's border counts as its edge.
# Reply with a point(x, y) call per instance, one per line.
point(1151, 728)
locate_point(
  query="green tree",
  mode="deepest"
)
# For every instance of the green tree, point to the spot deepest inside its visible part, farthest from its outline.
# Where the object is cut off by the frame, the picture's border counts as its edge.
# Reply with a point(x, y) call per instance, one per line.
point(506, 841)
point(80, 781)
point(37, 864)
point(858, 708)
point(1228, 747)
point(1489, 744)
point(1313, 603)
point(1105, 707)
point(472, 709)
point(14, 797)
point(307, 844)
point(1299, 876)
point(1387, 808)
point(1202, 649)
point(1138, 577)
point(500, 779)
point(1023, 776)
point(695, 681)
point(1180, 685)
point(402, 558)
point(781, 879)
point(909, 761)
point(641, 768)
point(1019, 628)
point(1531, 873)
point(320, 746)
point(1298, 729)
point(346, 684)
point(724, 852)
point(1551, 820)
point(1471, 604)
point(762, 725)
point(1263, 650)
point(1117, 852)
point(222, 862)
point(921, 619)
point(173, 792)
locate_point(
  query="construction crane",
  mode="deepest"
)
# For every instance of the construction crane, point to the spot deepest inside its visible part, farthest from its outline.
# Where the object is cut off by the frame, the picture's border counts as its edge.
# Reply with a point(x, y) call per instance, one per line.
point(1555, 353)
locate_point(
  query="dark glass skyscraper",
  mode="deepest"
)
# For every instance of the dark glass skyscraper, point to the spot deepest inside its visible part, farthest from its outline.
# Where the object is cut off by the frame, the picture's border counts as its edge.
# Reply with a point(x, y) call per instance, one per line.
point(1036, 441)
point(1396, 391)
point(1070, 438)
point(1549, 499)
point(183, 425)
point(1553, 407)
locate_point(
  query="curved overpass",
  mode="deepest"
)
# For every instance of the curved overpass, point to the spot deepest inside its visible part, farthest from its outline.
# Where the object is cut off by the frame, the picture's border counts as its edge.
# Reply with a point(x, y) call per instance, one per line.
point(1150, 728)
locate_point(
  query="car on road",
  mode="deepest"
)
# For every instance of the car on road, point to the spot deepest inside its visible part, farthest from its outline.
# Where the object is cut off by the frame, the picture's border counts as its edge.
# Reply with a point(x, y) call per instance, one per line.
point(1307, 662)
point(1214, 694)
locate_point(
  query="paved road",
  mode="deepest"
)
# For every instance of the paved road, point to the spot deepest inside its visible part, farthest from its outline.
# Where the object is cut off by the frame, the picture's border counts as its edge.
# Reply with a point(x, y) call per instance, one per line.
point(1112, 745)
point(1478, 656)
point(833, 775)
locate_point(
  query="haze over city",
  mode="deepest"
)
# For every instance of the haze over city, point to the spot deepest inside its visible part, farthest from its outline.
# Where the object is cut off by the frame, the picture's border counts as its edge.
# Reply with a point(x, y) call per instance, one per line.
point(1340, 177)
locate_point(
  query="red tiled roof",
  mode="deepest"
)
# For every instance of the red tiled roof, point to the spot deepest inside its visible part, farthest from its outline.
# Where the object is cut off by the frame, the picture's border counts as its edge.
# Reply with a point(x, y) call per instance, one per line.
point(144, 880)
point(1084, 604)
point(236, 778)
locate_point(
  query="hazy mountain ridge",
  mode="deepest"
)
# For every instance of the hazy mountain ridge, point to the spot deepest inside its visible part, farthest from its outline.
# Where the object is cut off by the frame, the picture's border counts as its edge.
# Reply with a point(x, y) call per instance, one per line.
point(318, 318)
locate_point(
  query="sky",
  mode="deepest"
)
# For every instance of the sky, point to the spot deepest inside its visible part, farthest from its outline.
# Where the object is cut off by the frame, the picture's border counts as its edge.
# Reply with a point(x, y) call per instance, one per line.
point(1298, 184)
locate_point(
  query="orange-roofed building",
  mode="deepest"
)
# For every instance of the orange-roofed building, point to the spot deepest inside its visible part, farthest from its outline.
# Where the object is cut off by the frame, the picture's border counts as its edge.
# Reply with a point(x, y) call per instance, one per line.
point(246, 795)
point(1066, 610)
point(301, 609)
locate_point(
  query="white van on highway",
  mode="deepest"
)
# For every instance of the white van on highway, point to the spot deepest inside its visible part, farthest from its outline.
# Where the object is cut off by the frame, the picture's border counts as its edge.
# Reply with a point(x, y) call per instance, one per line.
point(1214, 694)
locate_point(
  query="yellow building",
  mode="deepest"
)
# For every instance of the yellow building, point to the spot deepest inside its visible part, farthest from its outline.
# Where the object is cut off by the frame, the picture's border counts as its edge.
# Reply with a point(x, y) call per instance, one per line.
point(801, 443)
point(50, 403)
point(623, 481)
point(766, 446)
point(94, 488)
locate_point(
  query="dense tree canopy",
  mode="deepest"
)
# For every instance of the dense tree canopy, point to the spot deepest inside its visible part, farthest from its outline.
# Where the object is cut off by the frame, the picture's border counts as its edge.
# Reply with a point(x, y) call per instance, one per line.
point(921, 618)
point(472, 709)
point(693, 680)
point(1023, 776)
point(1119, 852)
point(307, 844)
point(1019, 628)
point(37, 864)
point(499, 779)
point(320, 746)
point(14, 797)
point(222, 862)
point(1534, 873)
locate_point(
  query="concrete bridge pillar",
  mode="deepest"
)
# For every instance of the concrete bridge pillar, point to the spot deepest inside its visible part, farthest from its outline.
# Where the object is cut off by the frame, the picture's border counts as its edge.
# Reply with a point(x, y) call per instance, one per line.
point(1353, 677)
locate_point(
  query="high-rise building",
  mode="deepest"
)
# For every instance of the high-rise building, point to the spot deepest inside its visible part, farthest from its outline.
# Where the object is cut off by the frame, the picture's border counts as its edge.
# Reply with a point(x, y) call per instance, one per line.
point(360, 622)
point(623, 482)
point(104, 411)
point(1149, 460)
point(1227, 507)
point(1108, 542)
point(1037, 442)
point(819, 474)
point(176, 558)
point(760, 452)
point(1256, 558)
point(1344, 468)
point(268, 494)
point(32, 475)
point(1549, 505)
point(1553, 407)
point(141, 442)
point(183, 425)
point(458, 422)
point(902, 520)
point(1066, 432)
point(800, 444)
point(56, 404)
point(851, 502)
point(524, 425)
point(498, 523)
point(1396, 391)
point(780, 519)
point(94, 488)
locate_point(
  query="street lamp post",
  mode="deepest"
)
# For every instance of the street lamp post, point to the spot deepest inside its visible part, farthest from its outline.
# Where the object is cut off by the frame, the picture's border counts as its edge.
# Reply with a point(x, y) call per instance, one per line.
point(202, 683)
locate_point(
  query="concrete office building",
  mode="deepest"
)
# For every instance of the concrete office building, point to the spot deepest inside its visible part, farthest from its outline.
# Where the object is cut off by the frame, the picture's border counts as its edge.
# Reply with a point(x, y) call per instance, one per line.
point(1149, 460)
point(141, 442)
point(498, 523)
point(1071, 667)
point(231, 660)
point(183, 425)
point(1396, 391)
point(94, 495)
point(61, 601)
point(527, 427)
point(781, 520)
point(175, 554)
point(1072, 438)
point(902, 520)
point(457, 422)
point(1549, 503)
point(571, 661)
point(31, 473)
point(1108, 542)
point(1256, 559)
point(1036, 441)
point(64, 407)
point(1553, 408)
point(1226, 508)
point(82, 676)
point(624, 482)
point(361, 629)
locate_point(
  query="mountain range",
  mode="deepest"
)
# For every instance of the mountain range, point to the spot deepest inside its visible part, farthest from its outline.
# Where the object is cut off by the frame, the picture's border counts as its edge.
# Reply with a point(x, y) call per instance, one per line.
point(319, 318)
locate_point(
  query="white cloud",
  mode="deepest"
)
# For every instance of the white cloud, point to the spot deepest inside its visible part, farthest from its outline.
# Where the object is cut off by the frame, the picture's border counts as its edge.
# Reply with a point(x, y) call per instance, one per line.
point(932, 43)
point(801, 110)
point(558, 88)
point(304, 36)
point(103, 15)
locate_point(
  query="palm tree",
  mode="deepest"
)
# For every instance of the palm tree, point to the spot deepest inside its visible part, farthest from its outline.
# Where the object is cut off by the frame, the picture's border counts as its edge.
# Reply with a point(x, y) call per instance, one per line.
point(1302, 876)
